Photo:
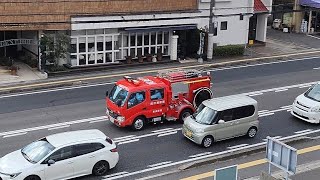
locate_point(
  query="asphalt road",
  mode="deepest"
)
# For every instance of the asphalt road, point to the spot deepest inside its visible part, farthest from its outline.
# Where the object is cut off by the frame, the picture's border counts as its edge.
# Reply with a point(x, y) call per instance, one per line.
point(146, 149)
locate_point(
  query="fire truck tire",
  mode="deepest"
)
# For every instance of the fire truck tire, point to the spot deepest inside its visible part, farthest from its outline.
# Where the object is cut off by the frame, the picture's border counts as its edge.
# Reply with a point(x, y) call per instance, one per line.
point(201, 95)
point(184, 113)
point(138, 123)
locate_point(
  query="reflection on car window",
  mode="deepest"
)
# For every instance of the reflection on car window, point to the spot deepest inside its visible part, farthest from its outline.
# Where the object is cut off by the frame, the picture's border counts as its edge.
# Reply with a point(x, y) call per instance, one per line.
point(118, 95)
point(136, 98)
point(205, 115)
point(61, 154)
point(314, 93)
point(37, 150)
point(157, 94)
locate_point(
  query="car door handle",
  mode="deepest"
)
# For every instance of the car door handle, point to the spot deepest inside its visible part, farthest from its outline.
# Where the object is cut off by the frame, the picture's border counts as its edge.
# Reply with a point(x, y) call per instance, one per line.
point(92, 156)
point(70, 162)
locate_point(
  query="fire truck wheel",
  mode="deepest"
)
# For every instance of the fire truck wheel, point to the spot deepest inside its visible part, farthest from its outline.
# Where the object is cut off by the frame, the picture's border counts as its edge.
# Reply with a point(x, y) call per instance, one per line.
point(139, 123)
point(184, 114)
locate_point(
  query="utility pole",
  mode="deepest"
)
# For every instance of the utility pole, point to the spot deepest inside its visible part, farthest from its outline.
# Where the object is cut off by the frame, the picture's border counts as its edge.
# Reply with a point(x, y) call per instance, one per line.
point(211, 30)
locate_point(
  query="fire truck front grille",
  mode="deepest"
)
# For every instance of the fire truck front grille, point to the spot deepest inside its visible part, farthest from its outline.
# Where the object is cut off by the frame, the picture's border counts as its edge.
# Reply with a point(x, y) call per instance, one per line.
point(113, 114)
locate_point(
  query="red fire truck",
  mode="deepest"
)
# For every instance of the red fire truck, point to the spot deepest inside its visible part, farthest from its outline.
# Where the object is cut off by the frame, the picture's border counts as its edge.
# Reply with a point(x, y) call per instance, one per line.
point(171, 96)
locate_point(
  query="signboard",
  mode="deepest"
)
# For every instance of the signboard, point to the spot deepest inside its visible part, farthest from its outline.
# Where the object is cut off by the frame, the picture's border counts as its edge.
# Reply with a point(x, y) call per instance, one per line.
point(227, 173)
point(13, 42)
point(281, 155)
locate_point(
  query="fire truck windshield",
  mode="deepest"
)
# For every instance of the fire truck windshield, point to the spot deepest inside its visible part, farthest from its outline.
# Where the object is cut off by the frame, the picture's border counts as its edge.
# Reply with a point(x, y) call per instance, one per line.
point(118, 95)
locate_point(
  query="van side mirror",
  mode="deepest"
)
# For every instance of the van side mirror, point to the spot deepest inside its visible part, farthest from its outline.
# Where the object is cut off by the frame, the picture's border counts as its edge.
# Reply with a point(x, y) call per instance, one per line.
point(221, 121)
point(50, 162)
point(107, 93)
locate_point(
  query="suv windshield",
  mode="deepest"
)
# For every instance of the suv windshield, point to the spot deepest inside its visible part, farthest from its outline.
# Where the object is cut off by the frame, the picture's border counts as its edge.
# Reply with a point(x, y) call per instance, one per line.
point(205, 115)
point(37, 150)
point(118, 95)
point(314, 93)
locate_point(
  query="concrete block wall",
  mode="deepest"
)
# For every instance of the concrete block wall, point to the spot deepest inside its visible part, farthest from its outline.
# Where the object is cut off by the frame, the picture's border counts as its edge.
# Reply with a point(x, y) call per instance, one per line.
point(56, 15)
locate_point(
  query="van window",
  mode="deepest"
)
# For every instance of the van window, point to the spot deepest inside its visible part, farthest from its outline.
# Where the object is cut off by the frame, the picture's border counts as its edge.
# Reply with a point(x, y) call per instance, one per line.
point(314, 93)
point(226, 115)
point(242, 112)
point(205, 115)
point(136, 98)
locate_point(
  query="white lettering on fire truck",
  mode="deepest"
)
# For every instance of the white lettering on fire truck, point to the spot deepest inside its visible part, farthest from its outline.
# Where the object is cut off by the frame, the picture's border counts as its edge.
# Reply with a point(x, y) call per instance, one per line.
point(157, 110)
point(157, 102)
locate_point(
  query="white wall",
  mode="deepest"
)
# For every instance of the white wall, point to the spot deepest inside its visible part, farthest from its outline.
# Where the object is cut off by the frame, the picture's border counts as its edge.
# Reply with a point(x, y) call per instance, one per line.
point(261, 32)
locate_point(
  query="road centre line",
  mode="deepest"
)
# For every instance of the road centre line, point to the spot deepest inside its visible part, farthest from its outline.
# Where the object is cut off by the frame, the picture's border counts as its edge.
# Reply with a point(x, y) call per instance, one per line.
point(161, 130)
point(101, 120)
point(201, 154)
point(130, 141)
point(17, 134)
point(159, 164)
point(257, 94)
point(115, 174)
point(250, 164)
point(59, 127)
point(167, 134)
point(317, 68)
point(262, 111)
point(307, 130)
point(124, 137)
point(209, 155)
point(237, 146)
point(304, 86)
point(143, 72)
point(266, 114)
point(280, 90)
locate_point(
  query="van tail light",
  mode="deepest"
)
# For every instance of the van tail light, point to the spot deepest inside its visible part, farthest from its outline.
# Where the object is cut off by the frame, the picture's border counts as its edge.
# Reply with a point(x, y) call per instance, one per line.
point(109, 140)
point(114, 150)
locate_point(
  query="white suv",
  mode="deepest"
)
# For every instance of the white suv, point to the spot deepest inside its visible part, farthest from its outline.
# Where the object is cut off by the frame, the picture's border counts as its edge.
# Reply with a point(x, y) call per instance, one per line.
point(307, 105)
point(61, 156)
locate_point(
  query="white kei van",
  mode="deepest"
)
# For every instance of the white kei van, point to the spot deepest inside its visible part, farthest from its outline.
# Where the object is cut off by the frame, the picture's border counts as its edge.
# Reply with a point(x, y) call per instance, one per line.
point(222, 118)
point(307, 105)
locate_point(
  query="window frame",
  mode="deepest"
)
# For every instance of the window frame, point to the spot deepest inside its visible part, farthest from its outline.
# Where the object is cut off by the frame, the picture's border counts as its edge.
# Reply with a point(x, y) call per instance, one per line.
point(222, 28)
point(129, 107)
point(161, 92)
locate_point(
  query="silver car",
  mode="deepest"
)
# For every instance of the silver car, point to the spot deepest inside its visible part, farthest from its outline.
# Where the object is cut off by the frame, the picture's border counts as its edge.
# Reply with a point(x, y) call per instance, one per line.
point(222, 118)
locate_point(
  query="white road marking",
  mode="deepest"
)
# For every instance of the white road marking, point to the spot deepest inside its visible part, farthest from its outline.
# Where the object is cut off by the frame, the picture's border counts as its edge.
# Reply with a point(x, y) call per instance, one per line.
point(280, 90)
point(167, 134)
point(262, 111)
point(208, 156)
point(59, 127)
point(286, 107)
point(313, 36)
point(115, 174)
point(288, 110)
point(317, 68)
point(161, 130)
point(124, 137)
point(256, 94)
point(305, 86)
point(267, 114)
point(55, 90)
point(275, 137)
point(237, 146)
point(159, 164)
point(303, 131)
point(12, 135)
point(130, 141)
point(101, 120)
point(201, 154)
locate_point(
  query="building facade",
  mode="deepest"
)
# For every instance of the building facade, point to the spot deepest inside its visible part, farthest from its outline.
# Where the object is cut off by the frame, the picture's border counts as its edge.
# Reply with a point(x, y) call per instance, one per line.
point(106, 32)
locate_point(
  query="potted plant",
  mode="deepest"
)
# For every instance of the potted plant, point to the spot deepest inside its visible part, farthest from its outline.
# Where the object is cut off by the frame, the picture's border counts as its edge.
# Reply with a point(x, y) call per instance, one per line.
point(129, 59)
point(159, 56)
point(140, 58)
point(149, 57)
point(13, 70)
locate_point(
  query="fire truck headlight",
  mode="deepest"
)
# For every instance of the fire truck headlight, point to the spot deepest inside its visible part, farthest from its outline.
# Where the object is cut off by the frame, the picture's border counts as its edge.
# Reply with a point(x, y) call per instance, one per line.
point(120, 118)
point(107, 111)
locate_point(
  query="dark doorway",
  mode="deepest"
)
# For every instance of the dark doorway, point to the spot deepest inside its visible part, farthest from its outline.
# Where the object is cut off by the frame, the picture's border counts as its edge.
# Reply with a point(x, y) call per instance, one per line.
point(188, 43)
point(9, 51)
point(253, 27)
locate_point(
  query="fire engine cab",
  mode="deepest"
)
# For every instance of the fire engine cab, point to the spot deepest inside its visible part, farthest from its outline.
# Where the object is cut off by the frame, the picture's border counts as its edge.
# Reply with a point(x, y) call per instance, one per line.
point(171, 96)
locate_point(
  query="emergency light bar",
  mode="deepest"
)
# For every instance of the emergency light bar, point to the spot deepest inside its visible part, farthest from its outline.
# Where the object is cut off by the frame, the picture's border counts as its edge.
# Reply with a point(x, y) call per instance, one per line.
point(132, 80)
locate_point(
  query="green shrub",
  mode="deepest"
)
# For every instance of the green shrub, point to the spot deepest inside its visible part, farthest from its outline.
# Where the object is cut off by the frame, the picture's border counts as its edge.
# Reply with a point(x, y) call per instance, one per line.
point(229, 50)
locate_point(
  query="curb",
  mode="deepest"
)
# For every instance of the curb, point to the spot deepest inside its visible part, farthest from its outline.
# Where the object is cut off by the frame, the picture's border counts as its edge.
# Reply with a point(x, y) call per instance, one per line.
point(78, 81)
point(236, 154)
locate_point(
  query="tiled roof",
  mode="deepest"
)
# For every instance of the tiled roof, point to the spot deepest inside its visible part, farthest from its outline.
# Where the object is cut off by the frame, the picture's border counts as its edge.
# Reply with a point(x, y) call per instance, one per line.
point(259, 6)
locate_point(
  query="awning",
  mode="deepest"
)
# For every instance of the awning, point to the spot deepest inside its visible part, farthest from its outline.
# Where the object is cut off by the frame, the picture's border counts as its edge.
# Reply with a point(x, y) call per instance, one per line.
point(162, 28)
point(310, 3)
point(259, 7)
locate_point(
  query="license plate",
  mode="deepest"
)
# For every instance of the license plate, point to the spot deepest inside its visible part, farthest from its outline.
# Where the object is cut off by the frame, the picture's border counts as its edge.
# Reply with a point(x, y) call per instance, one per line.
point(188, 133)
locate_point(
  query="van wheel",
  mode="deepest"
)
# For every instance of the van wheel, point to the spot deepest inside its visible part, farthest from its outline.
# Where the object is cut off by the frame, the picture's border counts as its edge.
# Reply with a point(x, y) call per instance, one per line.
point(207, 141)
point(184, 114)
point(252, 132)
point(100, 168)
point(138, 123)
point(32, 178)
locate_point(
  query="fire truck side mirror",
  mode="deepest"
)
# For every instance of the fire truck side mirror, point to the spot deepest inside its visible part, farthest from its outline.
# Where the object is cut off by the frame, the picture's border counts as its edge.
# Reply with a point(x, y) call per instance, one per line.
point(107, 93)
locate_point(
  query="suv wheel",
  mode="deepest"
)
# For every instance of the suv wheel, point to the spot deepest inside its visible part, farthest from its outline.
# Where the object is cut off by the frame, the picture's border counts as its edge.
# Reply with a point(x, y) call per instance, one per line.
point(100, 168)
point(207, 141)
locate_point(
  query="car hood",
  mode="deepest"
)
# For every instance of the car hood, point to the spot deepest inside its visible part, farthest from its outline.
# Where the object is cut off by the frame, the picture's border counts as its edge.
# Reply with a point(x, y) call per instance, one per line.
point(13, 163)
point(307, 101)
point(191, 124)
